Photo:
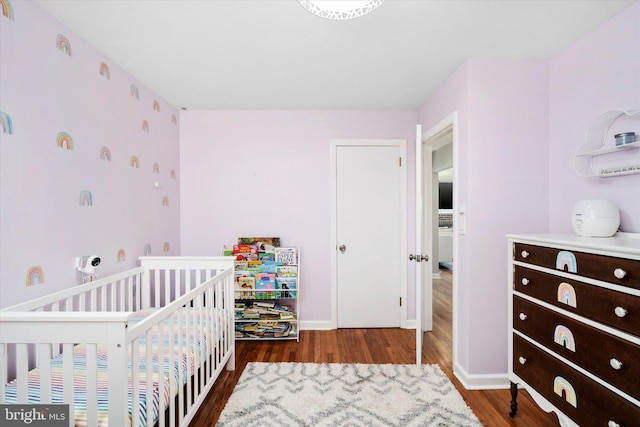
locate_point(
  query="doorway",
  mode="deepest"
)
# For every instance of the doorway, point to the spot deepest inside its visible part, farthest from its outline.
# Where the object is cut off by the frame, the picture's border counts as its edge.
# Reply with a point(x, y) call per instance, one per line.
point(368, 244)
point(437, 291)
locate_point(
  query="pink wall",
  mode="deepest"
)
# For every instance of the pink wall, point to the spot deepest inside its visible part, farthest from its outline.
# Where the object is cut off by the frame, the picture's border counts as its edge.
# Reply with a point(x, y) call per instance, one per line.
point(501, 176)
point(601, 72)
point(43, 225)
point(266, 173)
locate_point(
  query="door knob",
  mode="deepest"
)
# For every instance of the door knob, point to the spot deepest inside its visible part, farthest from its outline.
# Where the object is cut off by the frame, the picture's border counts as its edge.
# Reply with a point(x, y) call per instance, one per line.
point(342, 248)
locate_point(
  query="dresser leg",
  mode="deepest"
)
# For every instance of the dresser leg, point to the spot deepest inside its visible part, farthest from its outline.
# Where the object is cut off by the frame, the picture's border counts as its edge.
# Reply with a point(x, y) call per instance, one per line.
point(514, 396)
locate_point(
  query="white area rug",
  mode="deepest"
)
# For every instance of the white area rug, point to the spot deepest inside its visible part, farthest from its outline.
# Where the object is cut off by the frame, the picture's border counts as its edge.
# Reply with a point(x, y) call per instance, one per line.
point(311, 394)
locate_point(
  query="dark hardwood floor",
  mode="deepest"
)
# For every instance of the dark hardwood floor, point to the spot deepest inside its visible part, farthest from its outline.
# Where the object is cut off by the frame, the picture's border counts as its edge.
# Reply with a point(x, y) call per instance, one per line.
point(378, 346)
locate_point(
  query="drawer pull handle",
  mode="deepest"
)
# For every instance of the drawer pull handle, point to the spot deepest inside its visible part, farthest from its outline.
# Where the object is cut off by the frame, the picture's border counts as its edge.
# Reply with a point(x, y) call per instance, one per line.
point(612, 424)
point(525, 254)
point(620, 312)
point(522, 360)
point(615, 364)
point(522, 316)
point(525, 281)
point(619, 273)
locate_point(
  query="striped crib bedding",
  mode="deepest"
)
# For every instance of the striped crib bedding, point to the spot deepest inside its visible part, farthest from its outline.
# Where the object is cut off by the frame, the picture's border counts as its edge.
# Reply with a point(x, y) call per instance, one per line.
point(197, 335)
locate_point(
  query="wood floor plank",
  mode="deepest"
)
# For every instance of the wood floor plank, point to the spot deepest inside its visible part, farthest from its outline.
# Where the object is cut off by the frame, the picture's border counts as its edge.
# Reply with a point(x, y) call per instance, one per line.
point(378, 346)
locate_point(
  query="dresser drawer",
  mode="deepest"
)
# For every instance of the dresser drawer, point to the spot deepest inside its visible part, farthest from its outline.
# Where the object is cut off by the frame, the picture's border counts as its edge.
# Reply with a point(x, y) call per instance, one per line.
point(583, 400)
point(592, 302)
point(595, 351)
point(599, 267)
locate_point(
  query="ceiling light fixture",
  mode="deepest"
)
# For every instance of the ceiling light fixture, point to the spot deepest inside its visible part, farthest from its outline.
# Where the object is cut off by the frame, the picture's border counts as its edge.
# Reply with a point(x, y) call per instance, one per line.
point(340, 9)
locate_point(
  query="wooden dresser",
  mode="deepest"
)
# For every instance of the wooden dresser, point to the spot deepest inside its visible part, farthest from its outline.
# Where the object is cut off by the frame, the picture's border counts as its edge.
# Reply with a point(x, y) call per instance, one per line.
point(574, 326)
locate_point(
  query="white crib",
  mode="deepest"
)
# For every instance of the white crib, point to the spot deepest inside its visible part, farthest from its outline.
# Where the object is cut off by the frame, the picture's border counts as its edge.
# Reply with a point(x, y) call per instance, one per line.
point(139, 348)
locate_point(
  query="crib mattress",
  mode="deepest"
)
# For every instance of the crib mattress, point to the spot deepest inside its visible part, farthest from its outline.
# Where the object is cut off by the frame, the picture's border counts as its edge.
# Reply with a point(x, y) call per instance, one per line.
point(198, 333)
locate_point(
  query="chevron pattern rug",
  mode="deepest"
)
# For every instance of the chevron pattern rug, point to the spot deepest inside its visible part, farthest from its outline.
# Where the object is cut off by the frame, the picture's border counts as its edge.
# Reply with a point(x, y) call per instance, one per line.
point(311, 394)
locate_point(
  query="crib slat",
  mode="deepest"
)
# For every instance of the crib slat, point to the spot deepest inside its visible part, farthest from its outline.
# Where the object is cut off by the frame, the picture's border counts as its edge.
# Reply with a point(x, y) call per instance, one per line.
point(167, 287)
point(92, 384)
point(67, 375)
point(172, 367)
point(149, 372)
point(130, 302)
point(135, 383)
point(187, 350)
point(44, 351)
point(94, 300)
point(181, 379)
point(203, 343)
point(161, 374)
point(22, 369)
point(156, 275)
point(178, 284)
point(103, 299)
point(187, 284)
point(139, 290)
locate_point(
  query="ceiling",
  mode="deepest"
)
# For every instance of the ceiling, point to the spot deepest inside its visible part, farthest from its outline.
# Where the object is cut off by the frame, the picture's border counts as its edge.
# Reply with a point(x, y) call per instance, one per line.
point(273, 54)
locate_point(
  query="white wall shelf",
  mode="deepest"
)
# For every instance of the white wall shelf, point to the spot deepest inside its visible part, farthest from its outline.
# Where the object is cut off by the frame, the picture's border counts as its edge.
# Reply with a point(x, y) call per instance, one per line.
point(616, 159)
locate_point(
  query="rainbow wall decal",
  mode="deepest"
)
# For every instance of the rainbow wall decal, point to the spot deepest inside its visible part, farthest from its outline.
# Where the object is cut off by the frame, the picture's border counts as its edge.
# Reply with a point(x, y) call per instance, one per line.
point(105, 153)
point(134, 91)
point(86, 199)
point(173, 174)
point(165, 247)
point(567, 295)
point(563, 388)
point(145, 126)
point(563, 336)
point(156, 168)
point(147, 249)
point(165, 201)
point(63, 44)
point(7, 10)
point(566, 261)
point(104, 71)
point(174, 119)
point(134, 162)
point(5, 122)
point(122, 256)
point(156, 106)
point(35, 276)
point(64, 140)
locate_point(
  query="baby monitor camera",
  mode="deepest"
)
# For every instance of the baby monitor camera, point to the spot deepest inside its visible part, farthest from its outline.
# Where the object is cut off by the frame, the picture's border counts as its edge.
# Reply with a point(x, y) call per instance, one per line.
point(88, 263)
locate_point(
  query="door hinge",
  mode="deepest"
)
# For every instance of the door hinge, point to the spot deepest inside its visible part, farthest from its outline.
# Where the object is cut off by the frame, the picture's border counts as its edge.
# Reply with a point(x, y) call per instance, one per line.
point(400, 161)
point(400, 301)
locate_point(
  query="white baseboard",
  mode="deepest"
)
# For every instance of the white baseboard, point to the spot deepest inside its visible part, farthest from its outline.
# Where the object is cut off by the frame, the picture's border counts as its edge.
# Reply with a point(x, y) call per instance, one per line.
point(481, 381)
point(327, 325)
point(436, 276)
point(316, 325)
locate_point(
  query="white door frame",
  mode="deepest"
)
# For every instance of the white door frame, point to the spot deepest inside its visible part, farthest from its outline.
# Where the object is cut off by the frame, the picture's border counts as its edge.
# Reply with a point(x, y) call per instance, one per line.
point(402, 145)
point(449, 124)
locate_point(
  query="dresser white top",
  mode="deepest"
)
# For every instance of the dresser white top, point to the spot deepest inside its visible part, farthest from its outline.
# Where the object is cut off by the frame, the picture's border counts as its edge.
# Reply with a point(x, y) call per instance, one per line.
point(627, 243)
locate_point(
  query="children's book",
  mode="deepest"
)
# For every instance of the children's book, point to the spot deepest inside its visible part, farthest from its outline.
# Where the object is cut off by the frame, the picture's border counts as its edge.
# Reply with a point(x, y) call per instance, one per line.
point(266, 276)
point(245, 252)
point(287, 271)
point(247, 287)
point(264, 289)
point(286, 287)
point(263, 243)
point(286, 255)
point(240, 265)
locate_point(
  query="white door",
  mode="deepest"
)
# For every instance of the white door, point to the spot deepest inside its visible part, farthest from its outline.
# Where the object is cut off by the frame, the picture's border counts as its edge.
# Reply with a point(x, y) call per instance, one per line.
point(421, 257)
point(369, 224)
